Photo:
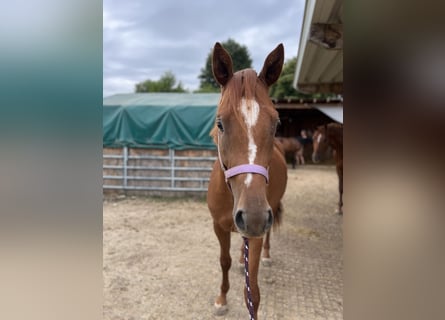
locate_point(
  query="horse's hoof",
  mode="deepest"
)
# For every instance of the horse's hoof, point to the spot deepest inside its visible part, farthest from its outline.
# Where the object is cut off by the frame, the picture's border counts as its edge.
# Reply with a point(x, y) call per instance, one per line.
point(220, 310)
point(267, 262)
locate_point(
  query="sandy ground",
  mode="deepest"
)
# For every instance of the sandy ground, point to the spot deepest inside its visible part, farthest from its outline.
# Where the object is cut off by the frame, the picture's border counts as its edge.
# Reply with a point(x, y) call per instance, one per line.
point(160, 257)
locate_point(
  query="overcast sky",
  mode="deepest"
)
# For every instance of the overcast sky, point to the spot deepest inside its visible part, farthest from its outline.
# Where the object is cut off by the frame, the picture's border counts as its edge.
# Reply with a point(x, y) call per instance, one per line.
point(143, 39)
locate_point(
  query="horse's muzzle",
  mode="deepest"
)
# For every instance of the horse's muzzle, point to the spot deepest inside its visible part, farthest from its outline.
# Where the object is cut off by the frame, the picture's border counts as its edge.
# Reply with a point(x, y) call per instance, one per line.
point(253, 224)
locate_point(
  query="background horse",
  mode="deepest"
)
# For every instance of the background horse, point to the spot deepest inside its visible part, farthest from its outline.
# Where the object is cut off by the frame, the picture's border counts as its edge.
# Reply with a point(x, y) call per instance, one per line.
point(294, 149)
point(331, 135)
point(249, 178)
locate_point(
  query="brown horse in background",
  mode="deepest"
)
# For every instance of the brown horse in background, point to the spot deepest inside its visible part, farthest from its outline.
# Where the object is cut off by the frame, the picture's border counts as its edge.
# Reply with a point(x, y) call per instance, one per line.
point(249, 178)
point(331, 135)
point(293, 147)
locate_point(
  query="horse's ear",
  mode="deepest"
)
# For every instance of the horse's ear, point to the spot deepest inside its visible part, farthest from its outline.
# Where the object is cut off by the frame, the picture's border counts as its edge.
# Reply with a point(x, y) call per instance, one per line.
point(221, 64)
point(272, 66)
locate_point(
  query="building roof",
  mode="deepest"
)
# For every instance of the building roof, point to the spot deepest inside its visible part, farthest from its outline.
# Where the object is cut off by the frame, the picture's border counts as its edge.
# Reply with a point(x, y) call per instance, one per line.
point(333, 112)
point(320, 56)
point(164, 99)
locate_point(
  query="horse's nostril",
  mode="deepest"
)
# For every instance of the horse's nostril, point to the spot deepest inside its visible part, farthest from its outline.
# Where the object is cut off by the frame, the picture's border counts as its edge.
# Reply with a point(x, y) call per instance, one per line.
point(240, 220)
point(269, 221)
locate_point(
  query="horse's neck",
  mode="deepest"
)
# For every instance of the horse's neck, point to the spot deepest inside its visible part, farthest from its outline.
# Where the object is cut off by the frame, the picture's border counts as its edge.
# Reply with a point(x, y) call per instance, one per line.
point(335, 138)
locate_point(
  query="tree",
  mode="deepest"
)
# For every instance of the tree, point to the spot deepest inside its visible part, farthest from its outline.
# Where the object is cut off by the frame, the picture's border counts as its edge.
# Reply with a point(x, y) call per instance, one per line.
point(165, 84)
point(283, 88)
point(240, 58)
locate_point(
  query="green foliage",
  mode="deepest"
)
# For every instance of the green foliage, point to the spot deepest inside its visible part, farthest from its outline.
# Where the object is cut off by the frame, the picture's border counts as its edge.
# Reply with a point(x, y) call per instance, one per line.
point(207, 88)
point(283, 88)
point(165, 84)
point(240, 58)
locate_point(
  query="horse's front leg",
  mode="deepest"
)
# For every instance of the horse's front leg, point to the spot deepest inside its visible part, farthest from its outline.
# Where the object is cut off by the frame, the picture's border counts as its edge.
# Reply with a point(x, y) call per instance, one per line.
point(225, 262)
point(340, 189)
point(294, 160)
point(266, 260)
point(255, 245)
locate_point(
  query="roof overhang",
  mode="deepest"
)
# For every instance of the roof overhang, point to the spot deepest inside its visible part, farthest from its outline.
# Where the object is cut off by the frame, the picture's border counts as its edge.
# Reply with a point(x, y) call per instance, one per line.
point(333, 112)
point(320, 55)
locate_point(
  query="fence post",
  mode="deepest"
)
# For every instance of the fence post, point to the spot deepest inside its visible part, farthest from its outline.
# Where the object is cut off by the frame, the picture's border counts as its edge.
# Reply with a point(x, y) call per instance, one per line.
point(125, 166)
point(172, 163)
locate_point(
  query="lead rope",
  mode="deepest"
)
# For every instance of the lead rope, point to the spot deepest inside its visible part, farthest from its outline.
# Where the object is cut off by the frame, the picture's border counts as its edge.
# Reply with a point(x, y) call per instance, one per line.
point(246, 272)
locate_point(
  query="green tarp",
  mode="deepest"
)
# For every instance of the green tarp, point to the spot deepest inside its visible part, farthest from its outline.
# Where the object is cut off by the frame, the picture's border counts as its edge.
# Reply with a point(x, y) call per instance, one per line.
point(159, 120)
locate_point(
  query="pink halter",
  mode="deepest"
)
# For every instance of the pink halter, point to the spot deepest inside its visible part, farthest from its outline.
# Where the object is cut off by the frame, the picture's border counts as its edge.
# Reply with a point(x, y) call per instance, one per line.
point(247, 168)
point(243, 168)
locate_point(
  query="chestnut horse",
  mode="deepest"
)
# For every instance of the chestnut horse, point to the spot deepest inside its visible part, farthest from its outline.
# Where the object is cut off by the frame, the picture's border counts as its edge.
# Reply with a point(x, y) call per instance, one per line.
point(331, 135)
point(249, 178)
point(293, 147)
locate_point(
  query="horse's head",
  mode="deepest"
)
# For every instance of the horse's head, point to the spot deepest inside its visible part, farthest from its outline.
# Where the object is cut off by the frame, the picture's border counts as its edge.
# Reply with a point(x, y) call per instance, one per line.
point(320, 143)
point(329, 135)
point(244, 132)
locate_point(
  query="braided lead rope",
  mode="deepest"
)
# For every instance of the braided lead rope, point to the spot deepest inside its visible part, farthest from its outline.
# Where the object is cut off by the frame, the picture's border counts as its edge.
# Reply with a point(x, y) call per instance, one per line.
point(246, 272)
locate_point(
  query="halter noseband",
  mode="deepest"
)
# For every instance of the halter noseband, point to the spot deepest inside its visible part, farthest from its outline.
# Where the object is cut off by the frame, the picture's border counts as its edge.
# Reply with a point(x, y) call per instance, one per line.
point(246, 168)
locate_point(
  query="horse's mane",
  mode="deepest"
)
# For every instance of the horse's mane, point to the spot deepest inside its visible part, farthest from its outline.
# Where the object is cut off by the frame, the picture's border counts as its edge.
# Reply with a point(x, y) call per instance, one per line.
point(335, 126)
point(244, 84)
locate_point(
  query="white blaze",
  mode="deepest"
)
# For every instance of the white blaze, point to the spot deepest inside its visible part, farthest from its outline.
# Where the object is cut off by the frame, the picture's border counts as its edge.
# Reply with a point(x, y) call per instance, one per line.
point(250, 111)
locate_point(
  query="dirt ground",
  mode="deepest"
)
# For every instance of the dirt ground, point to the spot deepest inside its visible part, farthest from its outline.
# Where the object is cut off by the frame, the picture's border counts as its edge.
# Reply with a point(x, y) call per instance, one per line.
point(160, 257)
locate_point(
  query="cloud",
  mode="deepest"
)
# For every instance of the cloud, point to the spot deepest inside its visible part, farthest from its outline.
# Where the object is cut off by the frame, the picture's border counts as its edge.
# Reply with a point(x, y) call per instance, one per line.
point(114, 85)
point(112, 24)
point(143, 39)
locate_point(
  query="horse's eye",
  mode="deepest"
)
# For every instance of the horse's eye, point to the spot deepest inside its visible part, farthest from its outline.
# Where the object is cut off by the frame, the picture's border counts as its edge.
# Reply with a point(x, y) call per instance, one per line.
point(219, 125)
